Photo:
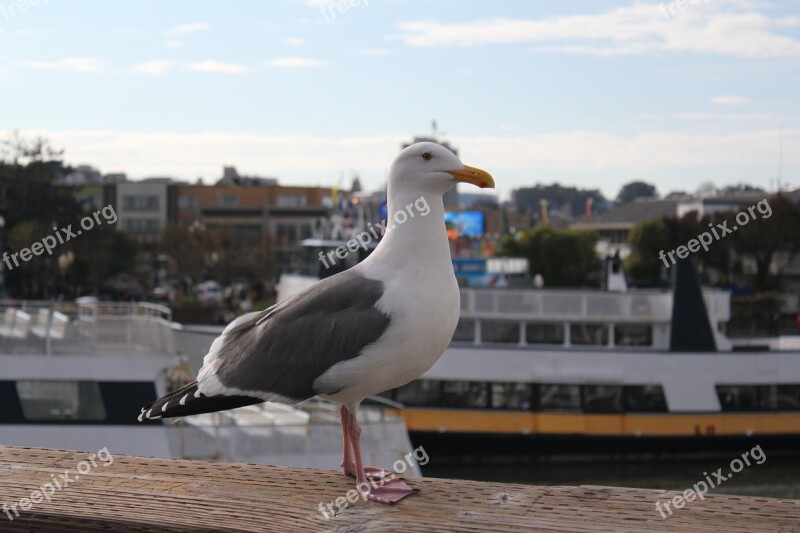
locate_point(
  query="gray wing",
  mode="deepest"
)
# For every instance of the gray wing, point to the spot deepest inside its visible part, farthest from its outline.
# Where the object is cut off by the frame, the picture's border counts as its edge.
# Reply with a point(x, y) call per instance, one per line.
point(284, 349)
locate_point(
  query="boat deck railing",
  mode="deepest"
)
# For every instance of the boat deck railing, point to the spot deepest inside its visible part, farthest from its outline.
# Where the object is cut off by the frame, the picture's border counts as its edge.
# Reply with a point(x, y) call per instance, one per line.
point(70, 328)
point(585, 305)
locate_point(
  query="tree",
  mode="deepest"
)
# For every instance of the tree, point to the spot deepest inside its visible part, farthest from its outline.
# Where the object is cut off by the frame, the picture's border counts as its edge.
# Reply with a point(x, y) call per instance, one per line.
point(636, 189)
point(220, 254)
point(706, 188)
point(32, 278)
point(647, 239)
point(527, 199)
point(772, 229)
point(741, 187)
point(237, 258)
point(564, 258)
point(17, 150)
point(765, 232)
point(717, 257)
point(31, 194)
point(32, 206)
point(187, 248)
point(99, 254)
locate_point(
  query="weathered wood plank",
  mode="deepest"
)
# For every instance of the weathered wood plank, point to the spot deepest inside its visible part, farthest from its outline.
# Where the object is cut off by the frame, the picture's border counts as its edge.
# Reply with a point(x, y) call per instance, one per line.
point(146, 494)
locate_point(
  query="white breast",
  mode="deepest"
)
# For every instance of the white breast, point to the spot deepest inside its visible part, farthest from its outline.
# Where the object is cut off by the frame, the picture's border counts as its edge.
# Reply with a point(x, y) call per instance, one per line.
point(424, 315)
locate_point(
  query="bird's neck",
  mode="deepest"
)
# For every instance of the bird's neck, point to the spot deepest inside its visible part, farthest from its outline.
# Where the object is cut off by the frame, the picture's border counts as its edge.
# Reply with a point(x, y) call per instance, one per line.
point(415, 231)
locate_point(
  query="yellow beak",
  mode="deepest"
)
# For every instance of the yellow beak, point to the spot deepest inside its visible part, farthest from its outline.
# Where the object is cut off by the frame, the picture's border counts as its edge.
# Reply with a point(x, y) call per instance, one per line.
point(475, 176)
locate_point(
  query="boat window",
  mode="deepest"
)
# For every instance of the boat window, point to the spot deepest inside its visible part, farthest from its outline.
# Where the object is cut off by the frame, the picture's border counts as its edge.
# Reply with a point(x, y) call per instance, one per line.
point(512, 396)
point(61, 400)
point(420, 392)
point(645, 399)
point(595, 334)
point(539, 333)
point(465, 393)
point(465, 331)
point(560, 397)
point(768, 397)
point(779, 397)
point(738, 397)
point(602, 398)
point(500, 332)
point(633, 335)
point(789, 397)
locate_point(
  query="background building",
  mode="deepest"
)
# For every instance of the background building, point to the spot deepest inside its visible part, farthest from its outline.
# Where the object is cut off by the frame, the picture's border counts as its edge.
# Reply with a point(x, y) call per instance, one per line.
point(143, 206)
point(281, 216)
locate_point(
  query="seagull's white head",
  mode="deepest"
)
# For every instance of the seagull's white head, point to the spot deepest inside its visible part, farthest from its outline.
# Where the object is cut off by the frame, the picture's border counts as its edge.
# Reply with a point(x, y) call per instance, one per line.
point(430, 167)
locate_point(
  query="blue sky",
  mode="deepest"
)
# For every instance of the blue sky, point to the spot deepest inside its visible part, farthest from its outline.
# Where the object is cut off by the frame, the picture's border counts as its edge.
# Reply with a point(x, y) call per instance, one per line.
point(593, 94)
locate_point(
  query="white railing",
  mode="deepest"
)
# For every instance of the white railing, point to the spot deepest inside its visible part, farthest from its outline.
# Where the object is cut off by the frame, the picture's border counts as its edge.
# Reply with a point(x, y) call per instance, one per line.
point(583, 305)
point(41, 327)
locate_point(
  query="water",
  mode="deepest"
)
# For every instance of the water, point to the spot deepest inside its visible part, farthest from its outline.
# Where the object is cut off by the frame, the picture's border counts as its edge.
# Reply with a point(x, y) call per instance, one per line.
point(776, 477)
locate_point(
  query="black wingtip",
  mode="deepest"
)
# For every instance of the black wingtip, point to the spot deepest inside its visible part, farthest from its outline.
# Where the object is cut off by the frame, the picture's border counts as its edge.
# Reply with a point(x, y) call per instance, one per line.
point(189, 401)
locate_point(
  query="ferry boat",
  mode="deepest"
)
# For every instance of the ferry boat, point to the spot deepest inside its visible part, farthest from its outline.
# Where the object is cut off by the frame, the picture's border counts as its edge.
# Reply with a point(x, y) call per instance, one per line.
point(75, 376)
point(551, 371)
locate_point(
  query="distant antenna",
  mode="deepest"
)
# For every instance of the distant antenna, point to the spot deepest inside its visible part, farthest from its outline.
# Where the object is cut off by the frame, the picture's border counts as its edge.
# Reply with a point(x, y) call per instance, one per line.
point(780, 160)
point(434, 129)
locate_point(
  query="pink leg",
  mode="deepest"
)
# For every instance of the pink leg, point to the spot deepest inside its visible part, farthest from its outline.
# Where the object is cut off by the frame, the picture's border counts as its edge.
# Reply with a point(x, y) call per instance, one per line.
point(348, 465)
point(383, 490)
point(347, 459)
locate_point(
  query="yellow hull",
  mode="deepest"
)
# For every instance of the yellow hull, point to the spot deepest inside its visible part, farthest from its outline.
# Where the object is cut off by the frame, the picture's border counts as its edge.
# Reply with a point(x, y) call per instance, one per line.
point(600, 425)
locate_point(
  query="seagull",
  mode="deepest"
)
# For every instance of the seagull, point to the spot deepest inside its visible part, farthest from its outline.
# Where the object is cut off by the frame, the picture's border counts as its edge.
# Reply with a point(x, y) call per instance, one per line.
point(374, 327)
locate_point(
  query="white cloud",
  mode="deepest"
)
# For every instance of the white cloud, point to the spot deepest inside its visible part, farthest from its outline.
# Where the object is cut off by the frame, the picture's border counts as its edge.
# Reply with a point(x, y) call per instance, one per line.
point(297, 62)
point(721, 27)
point(154, 68)
point(184, 29)
point(172, 43)
point(654, 149)
point(373, 52)
point(74, 64)
point(707, 117)
point(294, 41)
point(587, 158)
point(203, 154)
point(728, 100)
point(216, 67)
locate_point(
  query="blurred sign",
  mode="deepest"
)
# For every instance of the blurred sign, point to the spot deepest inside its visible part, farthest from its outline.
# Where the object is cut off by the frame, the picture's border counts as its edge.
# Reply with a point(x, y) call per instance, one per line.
point(507, 265)
point(469, 267)
point(464, 224)
point(488, 272)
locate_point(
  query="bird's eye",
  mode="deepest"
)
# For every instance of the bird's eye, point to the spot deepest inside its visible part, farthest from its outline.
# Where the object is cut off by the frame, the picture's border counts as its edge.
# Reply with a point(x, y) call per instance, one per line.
point(427, 156)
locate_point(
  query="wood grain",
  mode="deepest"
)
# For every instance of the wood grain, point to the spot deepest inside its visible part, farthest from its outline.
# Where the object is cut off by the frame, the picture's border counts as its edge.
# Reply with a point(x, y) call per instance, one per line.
point(147, 494)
